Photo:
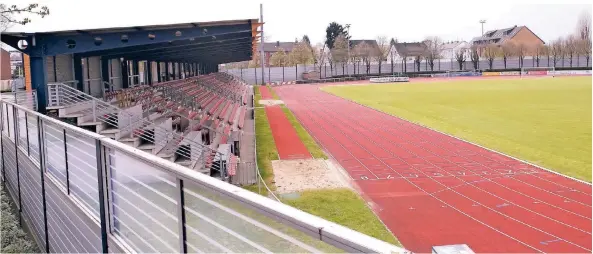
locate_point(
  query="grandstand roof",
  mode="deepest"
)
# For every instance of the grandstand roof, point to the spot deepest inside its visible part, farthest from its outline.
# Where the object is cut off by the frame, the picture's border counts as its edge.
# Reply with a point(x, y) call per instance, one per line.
point(212, 42)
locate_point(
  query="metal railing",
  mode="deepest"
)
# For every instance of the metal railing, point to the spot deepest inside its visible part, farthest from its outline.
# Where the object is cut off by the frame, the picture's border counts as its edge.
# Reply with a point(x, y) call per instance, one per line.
point(82, 192)
point(130, 123)
point(23, 98)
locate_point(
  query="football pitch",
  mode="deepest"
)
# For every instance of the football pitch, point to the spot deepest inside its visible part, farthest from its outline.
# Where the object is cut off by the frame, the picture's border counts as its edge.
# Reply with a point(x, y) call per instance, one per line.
point(545, 121)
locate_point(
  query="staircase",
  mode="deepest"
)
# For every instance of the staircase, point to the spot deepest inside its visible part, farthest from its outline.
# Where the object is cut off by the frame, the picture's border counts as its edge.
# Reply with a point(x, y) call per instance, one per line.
point(140, 126)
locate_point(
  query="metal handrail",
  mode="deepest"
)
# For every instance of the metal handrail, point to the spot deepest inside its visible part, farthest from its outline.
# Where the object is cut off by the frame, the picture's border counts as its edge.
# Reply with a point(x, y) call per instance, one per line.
point(23, 98)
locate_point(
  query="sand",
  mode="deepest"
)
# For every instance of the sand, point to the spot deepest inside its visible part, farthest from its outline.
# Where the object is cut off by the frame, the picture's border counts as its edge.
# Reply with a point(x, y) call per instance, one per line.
point(270, 102)
point(298, 175)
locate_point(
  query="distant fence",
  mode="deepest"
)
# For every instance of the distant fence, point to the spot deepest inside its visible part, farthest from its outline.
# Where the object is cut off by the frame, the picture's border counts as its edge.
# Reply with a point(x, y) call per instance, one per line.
point(292, 73)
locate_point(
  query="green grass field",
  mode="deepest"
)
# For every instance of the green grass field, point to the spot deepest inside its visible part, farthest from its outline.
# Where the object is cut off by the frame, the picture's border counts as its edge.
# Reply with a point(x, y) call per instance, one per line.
point(545, 121)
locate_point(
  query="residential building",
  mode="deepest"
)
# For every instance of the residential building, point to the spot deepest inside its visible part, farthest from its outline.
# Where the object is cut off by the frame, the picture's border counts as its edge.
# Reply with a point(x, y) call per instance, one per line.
point(272, 47)
point(5, 71)
point(408, 50)
point(515, 34)
point(448, 49)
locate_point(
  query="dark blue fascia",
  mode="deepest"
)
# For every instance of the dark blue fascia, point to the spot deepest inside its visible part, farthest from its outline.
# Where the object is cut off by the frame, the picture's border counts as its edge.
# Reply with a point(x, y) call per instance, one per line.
point(205, 40)
point(189, 48)
point(56, 44)
point(194, 53)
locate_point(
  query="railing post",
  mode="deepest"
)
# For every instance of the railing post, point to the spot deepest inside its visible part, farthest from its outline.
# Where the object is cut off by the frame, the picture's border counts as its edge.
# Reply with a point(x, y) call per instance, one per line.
point(181, 217)
point(1, 147)
point(16, 158)
point(94, 111)
point(40, 142)
point(66, 162)
point(27, 134)
point(102, 194)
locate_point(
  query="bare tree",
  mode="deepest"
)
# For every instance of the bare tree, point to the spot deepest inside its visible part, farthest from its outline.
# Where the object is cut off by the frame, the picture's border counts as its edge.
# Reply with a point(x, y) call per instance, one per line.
point(417, 61)
point(461, 57)
point(434, 47)
point(301, 54)
point(255, 60)
point(279, 58)
point(382, 51)
point(356, 53)
point(507, 51)
point(570, 48)
point(320, 55)
point(556, 49)
point(339, 51)
point(474, 53)
point(584, 26)
point(537, 53)
point(521, 50)
point(491, 52)
point(392, 52)
point(365, 54)
point(584, 46)
point(7, 14)
point(547, 51)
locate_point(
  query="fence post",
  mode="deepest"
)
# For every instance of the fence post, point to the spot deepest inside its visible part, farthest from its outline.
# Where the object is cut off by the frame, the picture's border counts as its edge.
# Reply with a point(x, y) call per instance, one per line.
point(40, 142)
point(101, 191)
point(181, 217)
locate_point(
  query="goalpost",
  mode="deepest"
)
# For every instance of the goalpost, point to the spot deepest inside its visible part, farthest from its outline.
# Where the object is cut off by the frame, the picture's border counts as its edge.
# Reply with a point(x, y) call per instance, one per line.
point(537, 71)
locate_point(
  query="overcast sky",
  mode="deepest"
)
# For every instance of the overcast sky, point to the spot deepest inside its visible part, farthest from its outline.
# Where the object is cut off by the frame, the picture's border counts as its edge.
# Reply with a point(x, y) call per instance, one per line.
point(285, 20)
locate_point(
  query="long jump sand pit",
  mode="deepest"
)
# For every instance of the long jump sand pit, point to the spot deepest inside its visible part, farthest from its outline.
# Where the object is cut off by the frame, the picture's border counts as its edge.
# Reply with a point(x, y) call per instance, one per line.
point(298, 175)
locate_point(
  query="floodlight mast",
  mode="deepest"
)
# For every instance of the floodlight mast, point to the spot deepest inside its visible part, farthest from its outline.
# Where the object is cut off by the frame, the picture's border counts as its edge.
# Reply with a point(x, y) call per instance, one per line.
point(482, 21)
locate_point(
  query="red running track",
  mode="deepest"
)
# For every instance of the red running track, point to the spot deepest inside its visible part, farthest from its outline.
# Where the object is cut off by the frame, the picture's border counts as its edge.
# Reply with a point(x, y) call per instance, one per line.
point(288, 143)
point(431, 189)
point(265, 93)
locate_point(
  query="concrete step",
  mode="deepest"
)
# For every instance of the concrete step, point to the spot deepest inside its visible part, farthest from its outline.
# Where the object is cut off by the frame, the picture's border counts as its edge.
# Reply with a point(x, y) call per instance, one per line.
point(90, 123)
point(109, 131)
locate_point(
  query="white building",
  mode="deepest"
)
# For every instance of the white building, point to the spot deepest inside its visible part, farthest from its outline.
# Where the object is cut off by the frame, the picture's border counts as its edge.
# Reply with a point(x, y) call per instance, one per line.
point(450, 48)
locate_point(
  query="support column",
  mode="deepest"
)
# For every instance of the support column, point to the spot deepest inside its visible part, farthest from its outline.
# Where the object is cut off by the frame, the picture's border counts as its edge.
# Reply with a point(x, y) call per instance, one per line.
point(158, 72)
point(125, 81)
point(38, 82)
point(149, 65)
point(105, 74)
point(167, 74)
point(77, 64)
point(135, 72)
point(173, 70)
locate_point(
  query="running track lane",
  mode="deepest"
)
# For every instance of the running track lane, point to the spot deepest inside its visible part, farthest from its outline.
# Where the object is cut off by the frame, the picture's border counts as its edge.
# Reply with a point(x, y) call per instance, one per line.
point(431, 189)
point(265, 93)
point(288, 143)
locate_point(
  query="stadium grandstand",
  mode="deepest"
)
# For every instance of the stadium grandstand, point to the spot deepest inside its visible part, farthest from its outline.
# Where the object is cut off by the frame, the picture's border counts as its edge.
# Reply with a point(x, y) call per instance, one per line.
point(126, 137)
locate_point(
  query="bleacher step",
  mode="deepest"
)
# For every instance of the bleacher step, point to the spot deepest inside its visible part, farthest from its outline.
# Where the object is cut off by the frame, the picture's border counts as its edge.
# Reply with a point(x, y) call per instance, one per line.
point(90, 123)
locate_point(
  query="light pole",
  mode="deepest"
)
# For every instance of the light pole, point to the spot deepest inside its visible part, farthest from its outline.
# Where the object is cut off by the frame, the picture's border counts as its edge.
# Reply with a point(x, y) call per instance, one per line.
point(482, 21)
point(348, 39)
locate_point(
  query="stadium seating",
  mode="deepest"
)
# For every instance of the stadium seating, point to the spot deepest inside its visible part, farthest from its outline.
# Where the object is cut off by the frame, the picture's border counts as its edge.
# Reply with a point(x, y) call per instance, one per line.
point(206, 109)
